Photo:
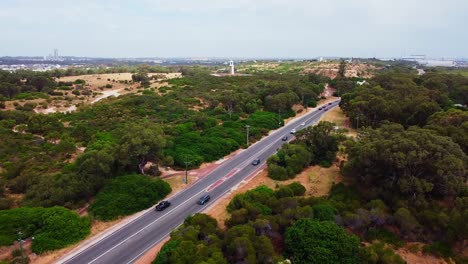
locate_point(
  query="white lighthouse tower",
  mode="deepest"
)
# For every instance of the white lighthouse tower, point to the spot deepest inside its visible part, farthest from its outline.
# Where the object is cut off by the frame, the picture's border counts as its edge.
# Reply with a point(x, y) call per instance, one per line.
point(231, 67)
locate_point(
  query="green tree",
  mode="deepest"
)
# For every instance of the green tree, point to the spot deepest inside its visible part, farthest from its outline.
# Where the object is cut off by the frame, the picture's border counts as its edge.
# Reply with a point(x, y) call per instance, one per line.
point(309, 241)
point(452, 123)
point(322, 141)
point(292, 157)
point(414, 163)
point(141, 142)
point(342, 69)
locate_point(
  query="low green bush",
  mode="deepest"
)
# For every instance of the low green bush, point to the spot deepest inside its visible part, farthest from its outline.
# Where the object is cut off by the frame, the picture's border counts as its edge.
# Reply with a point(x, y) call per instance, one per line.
point(126, 195)
point(52, 228)
point(439, 249)
point(30, 96)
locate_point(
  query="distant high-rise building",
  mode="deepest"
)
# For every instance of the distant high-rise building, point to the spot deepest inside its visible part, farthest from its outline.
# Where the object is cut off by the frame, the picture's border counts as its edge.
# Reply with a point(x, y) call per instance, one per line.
point(231, 67)
point(56, 55)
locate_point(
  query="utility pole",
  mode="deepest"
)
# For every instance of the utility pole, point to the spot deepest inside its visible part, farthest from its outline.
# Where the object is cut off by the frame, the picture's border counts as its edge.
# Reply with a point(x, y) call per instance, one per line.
point(186, 162)
point(247, 127)
point(20, 239)
point(279, 118)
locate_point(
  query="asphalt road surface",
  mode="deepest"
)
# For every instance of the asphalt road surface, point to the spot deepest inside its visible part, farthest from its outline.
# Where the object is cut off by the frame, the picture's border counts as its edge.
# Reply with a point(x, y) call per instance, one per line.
point(131, 241)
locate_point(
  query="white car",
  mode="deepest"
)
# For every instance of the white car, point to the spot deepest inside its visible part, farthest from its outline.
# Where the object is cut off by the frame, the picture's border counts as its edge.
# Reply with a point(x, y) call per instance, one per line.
point(303, 124)
point(293, 131)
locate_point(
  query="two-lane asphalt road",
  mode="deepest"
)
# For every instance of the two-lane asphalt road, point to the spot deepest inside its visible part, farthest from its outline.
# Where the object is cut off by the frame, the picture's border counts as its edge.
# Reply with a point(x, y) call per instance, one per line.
point(131, 241)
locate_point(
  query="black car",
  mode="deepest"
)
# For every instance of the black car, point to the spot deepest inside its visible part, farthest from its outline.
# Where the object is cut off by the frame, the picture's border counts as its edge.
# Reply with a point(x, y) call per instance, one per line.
point(256, 162)
point(162, 205)
point(284, 138)
point(204, 199)
point(329, 103)
point(320, 108)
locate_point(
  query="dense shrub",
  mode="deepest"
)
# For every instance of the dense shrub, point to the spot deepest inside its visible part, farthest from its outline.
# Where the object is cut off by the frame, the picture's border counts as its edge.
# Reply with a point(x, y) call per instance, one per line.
point(309, 241)
point(297, 188)
point(380, 253)
point(79, 81)
point(324, 212)
point(290, 160)
point(126, 195)
point(65, 88)
point(52, 228)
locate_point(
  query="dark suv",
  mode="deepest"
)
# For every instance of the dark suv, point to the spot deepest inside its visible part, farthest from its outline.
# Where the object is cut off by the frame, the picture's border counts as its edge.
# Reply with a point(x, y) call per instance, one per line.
point(162, 205)
point(204, 199)
point(255, 162)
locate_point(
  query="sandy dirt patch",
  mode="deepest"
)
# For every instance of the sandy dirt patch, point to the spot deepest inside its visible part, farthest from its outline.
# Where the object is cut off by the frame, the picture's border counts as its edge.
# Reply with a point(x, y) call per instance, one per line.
point(330, 69)
point(417, 257)
point(106, 94)
point(121, 83)
point(337, 116)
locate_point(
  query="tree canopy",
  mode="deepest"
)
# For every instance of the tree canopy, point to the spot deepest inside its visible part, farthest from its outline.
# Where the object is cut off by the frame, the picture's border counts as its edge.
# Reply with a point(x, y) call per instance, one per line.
point(414, 163)
point(311, 241)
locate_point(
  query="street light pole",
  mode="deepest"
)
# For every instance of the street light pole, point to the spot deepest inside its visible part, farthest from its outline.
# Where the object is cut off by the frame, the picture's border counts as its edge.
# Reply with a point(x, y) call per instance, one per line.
point(247, 126)
point(20, 239)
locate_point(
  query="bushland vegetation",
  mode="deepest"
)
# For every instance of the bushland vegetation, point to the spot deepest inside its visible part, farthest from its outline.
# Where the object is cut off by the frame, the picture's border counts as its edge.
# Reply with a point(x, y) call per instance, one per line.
point(68, 159)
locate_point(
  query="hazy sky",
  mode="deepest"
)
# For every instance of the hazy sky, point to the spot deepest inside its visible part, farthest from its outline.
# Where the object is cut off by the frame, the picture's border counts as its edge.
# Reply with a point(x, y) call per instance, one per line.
point(234, 28)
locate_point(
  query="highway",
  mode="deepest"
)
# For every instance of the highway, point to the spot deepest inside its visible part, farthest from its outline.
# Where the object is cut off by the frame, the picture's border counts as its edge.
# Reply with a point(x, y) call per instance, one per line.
point(131, 241)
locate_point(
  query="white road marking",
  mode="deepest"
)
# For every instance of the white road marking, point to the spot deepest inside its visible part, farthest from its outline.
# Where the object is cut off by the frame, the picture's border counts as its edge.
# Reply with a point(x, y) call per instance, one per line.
point(139, 231)
point(264, 149)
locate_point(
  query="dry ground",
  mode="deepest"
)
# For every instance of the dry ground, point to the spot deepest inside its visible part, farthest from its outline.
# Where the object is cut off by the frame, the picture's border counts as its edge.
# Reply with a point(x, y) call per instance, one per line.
point(412, 256)
point(330, 69)
point(325, 68)
point(96, 84)
point(337, 116)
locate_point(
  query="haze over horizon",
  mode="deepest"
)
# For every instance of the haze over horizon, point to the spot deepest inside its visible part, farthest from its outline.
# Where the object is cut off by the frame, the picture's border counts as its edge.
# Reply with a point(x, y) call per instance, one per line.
point(226, 28)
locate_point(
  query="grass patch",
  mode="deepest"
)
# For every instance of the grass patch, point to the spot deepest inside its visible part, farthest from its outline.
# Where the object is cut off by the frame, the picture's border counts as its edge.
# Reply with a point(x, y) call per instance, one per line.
point(30, 96)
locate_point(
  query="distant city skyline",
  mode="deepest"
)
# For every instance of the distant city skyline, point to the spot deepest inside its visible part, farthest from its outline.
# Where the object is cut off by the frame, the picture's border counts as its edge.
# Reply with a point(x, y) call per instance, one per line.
point(235, 29)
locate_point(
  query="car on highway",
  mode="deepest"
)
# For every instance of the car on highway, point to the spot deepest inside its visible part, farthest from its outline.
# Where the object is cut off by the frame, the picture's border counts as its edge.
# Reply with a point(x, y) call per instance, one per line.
point(329, 103)
point(293, 131)
point(303, 124)
point(284, 138)
point(326, 109)
point(162, 205)
point(204, 199)
point(255, 162)
point(320, 108)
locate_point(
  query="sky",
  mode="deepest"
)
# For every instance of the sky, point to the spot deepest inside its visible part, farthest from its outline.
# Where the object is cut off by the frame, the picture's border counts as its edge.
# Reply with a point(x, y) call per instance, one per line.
point(234, 28)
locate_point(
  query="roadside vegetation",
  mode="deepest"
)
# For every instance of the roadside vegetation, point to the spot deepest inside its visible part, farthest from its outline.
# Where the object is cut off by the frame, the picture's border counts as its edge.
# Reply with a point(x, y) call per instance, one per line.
point(92, 156)
point(313, 145)
point(269, 226)
point(126, 195)
point(405, 175)
point(405, 172)
point(51, 228)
